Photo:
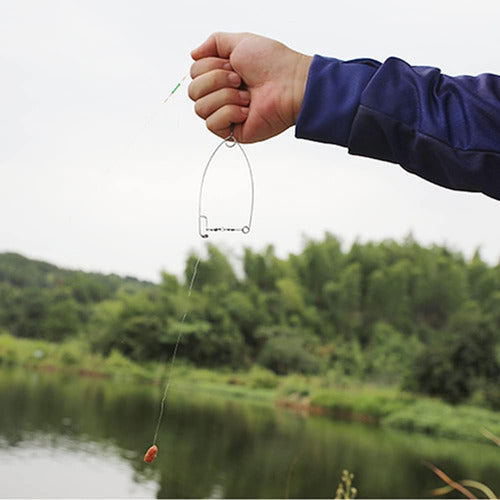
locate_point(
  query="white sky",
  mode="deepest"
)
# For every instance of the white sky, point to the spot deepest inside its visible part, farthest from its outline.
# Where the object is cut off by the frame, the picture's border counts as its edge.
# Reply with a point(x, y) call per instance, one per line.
point(96, 174)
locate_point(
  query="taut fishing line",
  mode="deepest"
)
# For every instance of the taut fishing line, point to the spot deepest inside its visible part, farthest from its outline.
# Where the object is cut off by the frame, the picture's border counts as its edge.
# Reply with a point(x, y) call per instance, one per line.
point(134, 138)
point(203, 229)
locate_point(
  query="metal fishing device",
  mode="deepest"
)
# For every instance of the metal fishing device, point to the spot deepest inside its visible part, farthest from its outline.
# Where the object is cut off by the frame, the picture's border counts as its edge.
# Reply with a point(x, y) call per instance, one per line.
point(204, 227)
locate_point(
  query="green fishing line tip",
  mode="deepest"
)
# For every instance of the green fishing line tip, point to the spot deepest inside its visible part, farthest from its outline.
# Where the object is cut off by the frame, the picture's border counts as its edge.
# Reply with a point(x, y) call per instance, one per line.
point(175, 88)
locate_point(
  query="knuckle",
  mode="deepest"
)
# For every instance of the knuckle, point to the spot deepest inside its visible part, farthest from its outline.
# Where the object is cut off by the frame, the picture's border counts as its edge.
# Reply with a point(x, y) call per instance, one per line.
point(228, 95)
point(210, 79)
point(199, 109)
point(192, 70)
point(191, 91)
point(214, 78)
point(210, 125)
point(228, 112)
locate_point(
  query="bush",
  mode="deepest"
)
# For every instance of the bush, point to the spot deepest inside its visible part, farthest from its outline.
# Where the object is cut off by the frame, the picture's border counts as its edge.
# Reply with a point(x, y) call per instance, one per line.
point(296, 384)
point(8, 357)
point(71, 352)
point(260, 378)
point(370, 402)
point(118, 365)
point(455, 367)
point(436, 417)
point(117, 360)
point(390, 354)
point(347, 359)
point(488, 396)
point(287, 353)
point(23, 351)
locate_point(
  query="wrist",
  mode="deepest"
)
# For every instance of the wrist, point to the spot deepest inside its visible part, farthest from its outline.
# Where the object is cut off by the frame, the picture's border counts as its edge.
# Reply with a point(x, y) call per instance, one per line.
point(300, 81)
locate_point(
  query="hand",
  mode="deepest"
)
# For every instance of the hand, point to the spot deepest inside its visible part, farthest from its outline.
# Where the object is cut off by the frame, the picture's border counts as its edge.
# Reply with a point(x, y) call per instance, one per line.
point(254, 82)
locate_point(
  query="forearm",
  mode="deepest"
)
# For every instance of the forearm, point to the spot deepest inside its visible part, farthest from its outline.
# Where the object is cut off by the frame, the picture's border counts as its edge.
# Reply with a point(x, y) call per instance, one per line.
point(444, 129)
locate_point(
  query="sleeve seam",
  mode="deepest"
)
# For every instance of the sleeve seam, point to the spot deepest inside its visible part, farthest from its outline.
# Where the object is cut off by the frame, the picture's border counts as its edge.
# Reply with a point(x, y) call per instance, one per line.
point(419, 131)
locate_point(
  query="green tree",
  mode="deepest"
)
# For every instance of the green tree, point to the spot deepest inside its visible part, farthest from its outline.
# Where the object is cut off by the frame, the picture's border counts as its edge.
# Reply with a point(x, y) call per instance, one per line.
point(286, 350)
point(343, 300)
point(439, 288)
point(387, 297)
point(454, 366)
point(263, 270)
point(390, 354)
point(62, 316)
point(318, 263)
point(213, 271)
point(482, 280)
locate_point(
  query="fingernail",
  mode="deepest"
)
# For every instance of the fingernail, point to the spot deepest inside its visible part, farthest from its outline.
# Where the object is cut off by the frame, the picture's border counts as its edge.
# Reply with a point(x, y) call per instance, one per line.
point(227, 66)
point(234, 79)
point(244, 96)
point(244, 111)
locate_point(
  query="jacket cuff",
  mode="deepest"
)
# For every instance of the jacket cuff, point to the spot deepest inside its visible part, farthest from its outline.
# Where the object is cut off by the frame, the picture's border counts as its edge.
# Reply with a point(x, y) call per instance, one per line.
point(332, 97)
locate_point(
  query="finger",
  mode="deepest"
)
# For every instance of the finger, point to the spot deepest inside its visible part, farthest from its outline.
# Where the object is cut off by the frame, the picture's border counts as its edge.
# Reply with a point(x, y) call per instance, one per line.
point(218, 45)
point(208, 64)
point(207, 105)
point(220, 122)
point(212, 81)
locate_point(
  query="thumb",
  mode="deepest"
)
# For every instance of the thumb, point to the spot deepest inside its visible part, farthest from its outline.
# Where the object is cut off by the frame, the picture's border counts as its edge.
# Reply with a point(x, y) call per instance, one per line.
point(217, 45)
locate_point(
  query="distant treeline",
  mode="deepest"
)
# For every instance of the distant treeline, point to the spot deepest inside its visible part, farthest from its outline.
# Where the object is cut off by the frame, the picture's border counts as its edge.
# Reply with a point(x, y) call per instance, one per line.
point(392, 313)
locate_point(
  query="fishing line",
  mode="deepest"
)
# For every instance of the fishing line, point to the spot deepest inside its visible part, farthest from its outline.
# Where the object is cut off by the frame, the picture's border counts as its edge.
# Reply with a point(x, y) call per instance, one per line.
point(147, 122)
point(164, 398)
point(174, 89)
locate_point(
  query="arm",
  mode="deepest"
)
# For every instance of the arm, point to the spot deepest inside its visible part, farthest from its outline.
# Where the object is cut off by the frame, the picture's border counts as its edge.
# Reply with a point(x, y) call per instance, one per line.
point(444, 129)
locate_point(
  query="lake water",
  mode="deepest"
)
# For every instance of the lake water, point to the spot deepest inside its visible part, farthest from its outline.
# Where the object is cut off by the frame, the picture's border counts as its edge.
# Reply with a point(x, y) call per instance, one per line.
point(63, 436)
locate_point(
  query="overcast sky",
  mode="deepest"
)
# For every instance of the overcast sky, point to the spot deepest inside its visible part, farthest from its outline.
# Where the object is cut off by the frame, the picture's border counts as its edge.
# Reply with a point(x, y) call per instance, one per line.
point(97, 174)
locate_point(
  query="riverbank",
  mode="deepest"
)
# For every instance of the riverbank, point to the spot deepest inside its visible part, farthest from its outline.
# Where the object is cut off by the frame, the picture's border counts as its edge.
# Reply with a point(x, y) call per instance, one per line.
point(375, 405)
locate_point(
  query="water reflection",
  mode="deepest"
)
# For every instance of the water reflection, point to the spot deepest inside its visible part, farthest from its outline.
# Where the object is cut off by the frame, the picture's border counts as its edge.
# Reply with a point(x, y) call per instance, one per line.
point(63, 468)
point(84, 437)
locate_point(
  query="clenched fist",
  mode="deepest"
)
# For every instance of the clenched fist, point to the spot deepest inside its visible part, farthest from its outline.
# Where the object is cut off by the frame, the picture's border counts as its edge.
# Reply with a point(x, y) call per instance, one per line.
point(248, 80)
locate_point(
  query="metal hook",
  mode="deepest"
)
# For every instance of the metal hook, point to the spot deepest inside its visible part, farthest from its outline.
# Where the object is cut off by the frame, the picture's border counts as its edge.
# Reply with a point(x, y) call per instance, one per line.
point(202, 231)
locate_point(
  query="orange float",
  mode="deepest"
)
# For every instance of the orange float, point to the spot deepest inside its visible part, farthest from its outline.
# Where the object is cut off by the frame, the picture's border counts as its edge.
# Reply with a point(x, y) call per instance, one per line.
point(151, 454)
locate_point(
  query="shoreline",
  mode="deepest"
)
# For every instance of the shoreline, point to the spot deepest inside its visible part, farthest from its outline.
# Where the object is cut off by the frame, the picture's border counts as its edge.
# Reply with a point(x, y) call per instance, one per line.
point(308, 395)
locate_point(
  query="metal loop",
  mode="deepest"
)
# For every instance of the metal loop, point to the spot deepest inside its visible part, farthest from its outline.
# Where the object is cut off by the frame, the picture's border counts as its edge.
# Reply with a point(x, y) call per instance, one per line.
point(230, 139)
point(203, 226)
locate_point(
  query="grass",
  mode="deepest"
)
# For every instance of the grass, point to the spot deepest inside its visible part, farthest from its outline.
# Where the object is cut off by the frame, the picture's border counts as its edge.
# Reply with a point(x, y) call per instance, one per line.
point(374, 402)
point(75, 357)
point(72, 356)
point(386, 406)
point(436, 417)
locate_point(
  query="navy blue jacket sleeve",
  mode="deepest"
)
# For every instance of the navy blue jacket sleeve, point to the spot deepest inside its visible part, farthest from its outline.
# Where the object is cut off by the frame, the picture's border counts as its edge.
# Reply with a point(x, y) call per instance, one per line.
point(444, 129)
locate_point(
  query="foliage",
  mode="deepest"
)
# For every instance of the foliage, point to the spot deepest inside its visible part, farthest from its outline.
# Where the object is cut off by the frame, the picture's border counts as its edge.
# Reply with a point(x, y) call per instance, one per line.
point(260, 378)
point(389, 354)
point(347, 358)
point(285, 351)
point(389, 312)
point(436, 417)
point(369, 402)
point(454, 366)
point(392, 408)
